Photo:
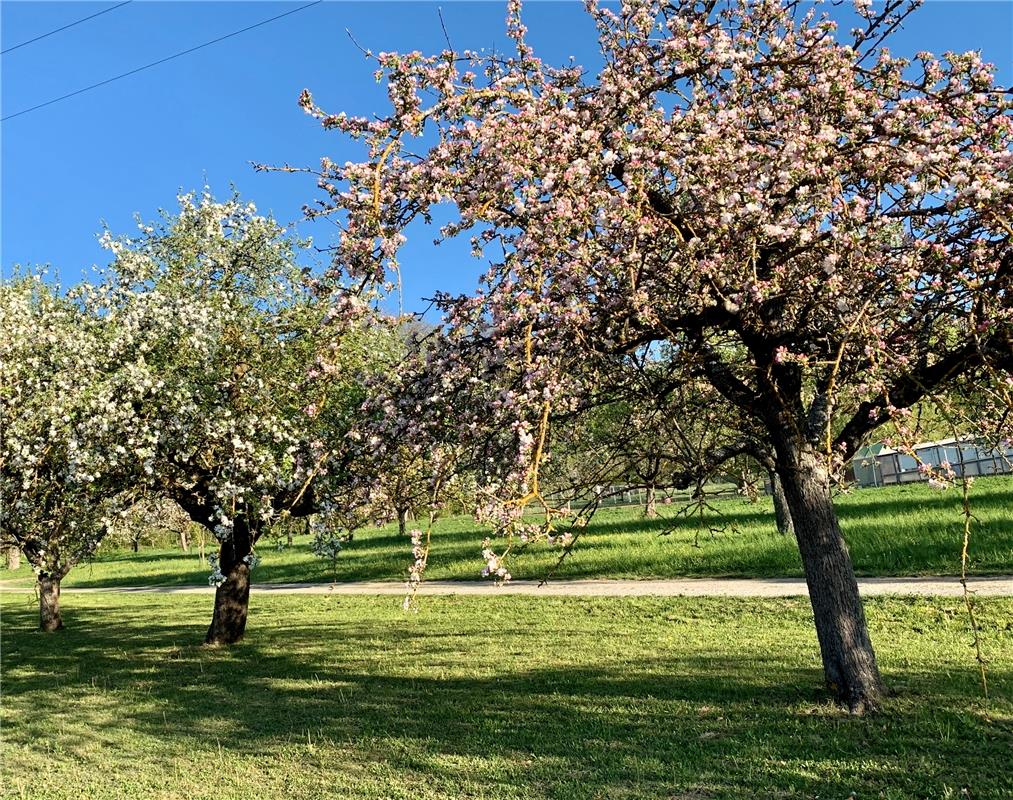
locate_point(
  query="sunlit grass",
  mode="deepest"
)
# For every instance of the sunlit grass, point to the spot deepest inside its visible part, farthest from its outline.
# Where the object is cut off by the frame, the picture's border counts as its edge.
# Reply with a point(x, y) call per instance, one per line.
point(904, 530)
point(348, 697)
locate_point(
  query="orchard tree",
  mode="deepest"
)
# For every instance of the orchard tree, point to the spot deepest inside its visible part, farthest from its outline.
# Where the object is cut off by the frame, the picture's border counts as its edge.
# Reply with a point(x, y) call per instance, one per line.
point(650, 427)
point(151, 519)
point(416, 462)
point(261, 372)
point(417, 467)
point(71, 442)
point(819, 226)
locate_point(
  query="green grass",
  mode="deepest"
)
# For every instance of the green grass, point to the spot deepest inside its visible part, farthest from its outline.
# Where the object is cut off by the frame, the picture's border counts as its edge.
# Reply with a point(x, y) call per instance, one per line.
point(348, 697)
point(904, 530)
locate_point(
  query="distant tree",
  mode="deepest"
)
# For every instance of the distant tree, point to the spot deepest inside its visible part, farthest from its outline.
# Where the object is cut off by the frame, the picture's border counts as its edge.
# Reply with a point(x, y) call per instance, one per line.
point(261, 373)
point(328, 544)
point(653, 427)
point(414, 480)
point(820, 228)
point(12, 556)
point(154, 520)
point(71, 441)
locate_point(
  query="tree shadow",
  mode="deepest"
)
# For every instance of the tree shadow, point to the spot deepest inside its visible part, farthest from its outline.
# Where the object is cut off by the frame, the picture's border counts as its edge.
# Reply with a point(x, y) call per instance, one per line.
point(580, 726)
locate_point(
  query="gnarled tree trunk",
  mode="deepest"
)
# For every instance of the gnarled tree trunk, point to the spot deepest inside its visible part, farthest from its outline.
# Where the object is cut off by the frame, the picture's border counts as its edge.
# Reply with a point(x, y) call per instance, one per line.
point(232, 598)
point(849, 662)
point(782, 514)
point(49, 604)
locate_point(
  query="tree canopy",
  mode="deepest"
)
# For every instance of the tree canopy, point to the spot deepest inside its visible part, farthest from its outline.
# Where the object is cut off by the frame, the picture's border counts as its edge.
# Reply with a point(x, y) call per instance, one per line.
point(73, 445)
point(817, 226)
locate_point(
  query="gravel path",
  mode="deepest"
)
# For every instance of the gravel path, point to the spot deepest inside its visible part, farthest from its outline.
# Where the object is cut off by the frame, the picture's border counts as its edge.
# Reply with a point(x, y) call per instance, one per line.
point(688, 587)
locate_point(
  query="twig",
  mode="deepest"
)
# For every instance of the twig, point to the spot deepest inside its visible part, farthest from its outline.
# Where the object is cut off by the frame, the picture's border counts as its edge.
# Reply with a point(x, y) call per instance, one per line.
point(968, 594)
point(443, 24)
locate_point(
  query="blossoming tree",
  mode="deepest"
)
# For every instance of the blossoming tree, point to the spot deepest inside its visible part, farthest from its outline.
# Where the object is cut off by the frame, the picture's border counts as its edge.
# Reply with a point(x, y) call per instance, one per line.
point(261, 371)
point(819, 226)
point(71, 442)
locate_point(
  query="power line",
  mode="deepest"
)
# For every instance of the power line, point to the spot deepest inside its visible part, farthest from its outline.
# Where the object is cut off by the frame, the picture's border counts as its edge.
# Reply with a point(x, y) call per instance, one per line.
point(160, 61)
point(71, 25)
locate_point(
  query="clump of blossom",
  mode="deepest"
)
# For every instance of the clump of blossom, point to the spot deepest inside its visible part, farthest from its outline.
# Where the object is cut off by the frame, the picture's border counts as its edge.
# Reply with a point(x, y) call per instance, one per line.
point(420, 554)
point(215, 577)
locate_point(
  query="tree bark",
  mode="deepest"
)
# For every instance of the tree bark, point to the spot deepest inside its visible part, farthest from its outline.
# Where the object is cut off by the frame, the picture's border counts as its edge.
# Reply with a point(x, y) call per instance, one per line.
point(849, 662)
point(49, 604)
point(232, 598)
point(782, 514)
point(184, 540)
point(402, 521)
point(651, 506)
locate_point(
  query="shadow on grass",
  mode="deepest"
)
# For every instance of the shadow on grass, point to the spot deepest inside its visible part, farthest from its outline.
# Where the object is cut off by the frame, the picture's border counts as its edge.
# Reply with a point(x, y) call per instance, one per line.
point(580, 727)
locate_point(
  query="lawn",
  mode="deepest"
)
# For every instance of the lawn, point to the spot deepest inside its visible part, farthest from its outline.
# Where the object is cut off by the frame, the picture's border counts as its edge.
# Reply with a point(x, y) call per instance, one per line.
point(348, 697)
point(903, 530)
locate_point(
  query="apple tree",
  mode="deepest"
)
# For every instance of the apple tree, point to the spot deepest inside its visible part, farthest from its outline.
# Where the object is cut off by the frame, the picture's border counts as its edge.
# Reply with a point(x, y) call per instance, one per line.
point(820, 227)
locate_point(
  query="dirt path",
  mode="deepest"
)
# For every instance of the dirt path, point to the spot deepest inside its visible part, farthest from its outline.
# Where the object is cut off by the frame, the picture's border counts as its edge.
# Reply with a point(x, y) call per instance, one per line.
point(688, 587)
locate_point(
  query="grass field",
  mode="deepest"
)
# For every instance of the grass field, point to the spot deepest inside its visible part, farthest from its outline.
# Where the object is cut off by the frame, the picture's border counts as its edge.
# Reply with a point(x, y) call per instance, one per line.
point(338, 697)
point(904, 530)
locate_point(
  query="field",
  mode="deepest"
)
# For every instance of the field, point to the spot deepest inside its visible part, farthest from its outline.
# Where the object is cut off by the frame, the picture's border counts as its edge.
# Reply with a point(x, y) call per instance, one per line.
point(904, 530)
point(495, 698)
point(511, 697)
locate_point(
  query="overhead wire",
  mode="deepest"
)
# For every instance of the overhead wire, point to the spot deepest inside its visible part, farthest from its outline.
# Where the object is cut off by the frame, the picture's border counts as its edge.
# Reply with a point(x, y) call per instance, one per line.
point(160, 61)
point(69, 25)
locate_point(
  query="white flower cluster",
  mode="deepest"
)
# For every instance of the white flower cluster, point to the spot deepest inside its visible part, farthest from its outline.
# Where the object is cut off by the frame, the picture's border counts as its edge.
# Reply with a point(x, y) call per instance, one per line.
point(217, 577)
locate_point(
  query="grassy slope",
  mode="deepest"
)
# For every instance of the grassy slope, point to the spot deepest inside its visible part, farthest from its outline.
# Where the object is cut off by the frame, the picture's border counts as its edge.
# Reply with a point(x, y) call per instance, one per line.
point(906, 530)
point(494, 698)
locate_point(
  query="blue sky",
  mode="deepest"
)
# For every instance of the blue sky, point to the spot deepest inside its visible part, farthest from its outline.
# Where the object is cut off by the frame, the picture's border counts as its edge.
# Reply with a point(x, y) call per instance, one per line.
point(132, 145)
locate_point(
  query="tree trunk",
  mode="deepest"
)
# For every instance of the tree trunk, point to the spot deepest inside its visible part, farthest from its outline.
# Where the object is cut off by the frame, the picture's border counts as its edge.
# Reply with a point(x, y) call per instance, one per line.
point(402, 521)
point(184, 540)
point(849, 662)
point(782, 514)
point(651, 506)
point(13, 557)
point(232, 598)
point(134, 542)
point(49, 604)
